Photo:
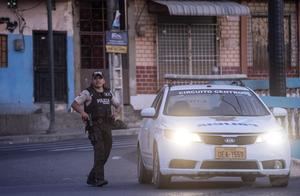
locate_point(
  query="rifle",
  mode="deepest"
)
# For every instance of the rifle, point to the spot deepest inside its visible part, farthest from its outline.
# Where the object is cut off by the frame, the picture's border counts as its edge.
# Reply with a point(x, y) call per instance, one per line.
point(88, 128)
point(89, 124)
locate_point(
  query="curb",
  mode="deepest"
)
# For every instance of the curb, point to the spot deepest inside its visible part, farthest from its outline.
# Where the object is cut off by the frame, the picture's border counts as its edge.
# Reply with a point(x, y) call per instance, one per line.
point(131, 131)
point(23, 139)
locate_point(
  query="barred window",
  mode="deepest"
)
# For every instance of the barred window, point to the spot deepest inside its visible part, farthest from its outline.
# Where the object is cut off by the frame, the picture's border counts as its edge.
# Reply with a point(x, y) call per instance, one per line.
point(3, 51)
point(187, 45)
point(93, 24)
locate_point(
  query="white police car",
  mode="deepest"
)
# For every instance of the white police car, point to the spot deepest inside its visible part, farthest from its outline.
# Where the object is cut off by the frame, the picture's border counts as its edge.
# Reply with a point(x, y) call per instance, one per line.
point(211, 130)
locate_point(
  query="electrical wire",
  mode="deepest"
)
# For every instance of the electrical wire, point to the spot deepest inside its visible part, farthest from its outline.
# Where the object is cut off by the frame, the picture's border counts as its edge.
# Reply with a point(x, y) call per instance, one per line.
point(21, 21)
point(22, 24)
point(30, 8)
point(139, 15)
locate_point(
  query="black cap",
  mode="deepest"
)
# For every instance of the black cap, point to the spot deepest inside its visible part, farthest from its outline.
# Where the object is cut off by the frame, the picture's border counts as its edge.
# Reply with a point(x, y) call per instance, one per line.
point(97, 73)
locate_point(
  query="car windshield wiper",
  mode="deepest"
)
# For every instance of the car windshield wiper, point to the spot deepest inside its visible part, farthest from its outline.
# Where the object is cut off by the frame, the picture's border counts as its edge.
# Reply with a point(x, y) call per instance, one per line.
point(233, 106)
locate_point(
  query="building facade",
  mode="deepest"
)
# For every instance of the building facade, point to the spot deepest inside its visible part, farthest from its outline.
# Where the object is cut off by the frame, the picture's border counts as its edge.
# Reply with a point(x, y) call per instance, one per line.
point(204, 39)
point(24, 70)
point(218, 37)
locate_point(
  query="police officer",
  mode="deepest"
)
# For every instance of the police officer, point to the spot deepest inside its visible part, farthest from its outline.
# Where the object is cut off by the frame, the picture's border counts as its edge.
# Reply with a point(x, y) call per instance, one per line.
point(97, 114)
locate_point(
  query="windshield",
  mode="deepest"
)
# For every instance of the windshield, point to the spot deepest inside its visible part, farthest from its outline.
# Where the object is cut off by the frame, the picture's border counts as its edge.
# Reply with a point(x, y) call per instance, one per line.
point(213, 103)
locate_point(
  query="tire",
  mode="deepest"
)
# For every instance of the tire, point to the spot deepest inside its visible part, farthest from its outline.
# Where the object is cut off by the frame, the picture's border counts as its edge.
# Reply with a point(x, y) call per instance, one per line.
point(249, 180)
point(279, 181)
point(159, 180)
point(144, 176)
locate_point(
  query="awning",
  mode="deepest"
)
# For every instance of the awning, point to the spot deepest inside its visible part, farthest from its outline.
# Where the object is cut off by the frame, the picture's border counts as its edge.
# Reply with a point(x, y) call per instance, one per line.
point(204, 8)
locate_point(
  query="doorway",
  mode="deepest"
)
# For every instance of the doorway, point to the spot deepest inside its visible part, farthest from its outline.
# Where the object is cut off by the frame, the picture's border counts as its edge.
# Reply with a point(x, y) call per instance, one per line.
point(42, 69)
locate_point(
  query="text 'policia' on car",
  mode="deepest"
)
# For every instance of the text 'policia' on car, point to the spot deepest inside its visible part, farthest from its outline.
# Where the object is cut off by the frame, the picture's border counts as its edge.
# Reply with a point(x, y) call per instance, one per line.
point(211, 130)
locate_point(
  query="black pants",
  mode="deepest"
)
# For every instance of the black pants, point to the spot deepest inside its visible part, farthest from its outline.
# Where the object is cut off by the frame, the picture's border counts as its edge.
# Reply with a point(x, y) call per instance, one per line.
point(101, 139)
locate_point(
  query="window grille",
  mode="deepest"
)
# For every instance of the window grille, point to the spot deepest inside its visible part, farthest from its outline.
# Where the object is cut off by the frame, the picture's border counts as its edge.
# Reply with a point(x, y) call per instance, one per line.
point(93, 23)
point(186, 48)
point(3, 51)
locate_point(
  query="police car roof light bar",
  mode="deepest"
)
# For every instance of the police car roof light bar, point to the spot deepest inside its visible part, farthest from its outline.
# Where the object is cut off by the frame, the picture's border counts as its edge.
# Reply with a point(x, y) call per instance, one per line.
point(234, 79)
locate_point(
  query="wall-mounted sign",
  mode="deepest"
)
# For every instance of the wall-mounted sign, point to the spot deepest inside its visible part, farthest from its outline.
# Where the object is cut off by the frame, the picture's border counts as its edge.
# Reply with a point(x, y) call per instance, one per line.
point(116, 42)
point(116, 49)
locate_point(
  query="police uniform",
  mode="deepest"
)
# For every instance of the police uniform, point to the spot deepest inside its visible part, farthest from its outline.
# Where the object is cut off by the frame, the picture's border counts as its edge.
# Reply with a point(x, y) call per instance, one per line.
point(98, 106)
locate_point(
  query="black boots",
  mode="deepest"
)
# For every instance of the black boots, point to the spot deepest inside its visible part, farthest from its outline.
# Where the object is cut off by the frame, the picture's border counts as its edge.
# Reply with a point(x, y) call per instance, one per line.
point(98, 183)
point(101, 183)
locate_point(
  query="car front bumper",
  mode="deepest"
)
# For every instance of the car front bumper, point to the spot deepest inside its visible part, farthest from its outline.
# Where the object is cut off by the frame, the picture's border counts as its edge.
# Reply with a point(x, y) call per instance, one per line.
point(257, 155)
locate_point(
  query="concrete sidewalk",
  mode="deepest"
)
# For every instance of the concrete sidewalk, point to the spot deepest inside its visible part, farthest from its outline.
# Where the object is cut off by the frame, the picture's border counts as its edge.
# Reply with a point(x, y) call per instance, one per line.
point(58, 135)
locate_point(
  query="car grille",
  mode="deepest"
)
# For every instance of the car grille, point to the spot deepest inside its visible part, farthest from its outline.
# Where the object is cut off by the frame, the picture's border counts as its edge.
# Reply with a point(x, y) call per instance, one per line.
point(183, 164)
point(229, 165)
point(233, 140)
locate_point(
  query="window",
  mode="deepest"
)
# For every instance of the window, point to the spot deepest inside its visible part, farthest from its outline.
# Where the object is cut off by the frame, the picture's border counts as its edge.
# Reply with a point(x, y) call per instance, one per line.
point(93, 24)
point(260, 42)
point(187, 45)
point(3, 51)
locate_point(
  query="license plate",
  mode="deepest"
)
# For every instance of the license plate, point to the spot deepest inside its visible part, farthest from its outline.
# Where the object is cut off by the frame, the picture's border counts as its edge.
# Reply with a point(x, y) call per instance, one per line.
point(234, 153)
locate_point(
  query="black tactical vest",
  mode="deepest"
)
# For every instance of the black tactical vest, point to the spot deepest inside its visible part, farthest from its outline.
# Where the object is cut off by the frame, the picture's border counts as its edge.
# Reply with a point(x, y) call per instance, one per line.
point(100, 107)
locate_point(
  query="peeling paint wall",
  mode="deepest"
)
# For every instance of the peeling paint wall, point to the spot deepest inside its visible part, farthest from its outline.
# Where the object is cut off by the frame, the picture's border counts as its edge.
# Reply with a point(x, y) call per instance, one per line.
point(17, 79)
point(36, 17)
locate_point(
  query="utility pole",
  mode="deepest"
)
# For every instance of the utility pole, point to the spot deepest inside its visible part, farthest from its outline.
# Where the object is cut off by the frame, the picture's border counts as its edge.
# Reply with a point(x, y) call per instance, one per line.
point(277, 73)
point(51, 66)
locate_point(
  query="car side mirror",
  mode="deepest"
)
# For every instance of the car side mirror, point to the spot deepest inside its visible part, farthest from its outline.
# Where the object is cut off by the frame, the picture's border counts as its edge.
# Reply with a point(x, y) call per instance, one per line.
point(281, 116)
point(148, 112)
point(279, 112)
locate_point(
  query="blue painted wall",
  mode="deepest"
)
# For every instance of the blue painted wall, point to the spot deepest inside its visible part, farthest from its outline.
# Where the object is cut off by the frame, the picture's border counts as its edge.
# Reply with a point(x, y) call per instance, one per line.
point(17, 79)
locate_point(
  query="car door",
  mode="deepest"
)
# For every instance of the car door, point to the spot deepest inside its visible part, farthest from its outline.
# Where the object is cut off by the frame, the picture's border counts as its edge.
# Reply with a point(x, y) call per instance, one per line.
point(146, 140)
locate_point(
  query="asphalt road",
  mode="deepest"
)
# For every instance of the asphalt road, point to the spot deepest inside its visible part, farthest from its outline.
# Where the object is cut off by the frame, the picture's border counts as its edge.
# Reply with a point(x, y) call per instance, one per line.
point(61, 168)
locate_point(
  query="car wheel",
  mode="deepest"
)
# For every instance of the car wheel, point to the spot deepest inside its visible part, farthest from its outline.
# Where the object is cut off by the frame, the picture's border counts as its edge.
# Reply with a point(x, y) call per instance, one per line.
point(249, 180)
point(144, 176)
point(279, 181)
point(159, 180)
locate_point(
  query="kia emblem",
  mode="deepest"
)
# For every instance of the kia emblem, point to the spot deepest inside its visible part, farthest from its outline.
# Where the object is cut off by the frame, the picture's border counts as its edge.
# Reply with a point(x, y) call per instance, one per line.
point(229, 140)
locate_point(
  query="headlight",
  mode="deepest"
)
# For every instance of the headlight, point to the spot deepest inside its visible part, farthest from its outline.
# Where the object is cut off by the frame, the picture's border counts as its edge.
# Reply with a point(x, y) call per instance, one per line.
point(273, 138)
point(182, 136)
